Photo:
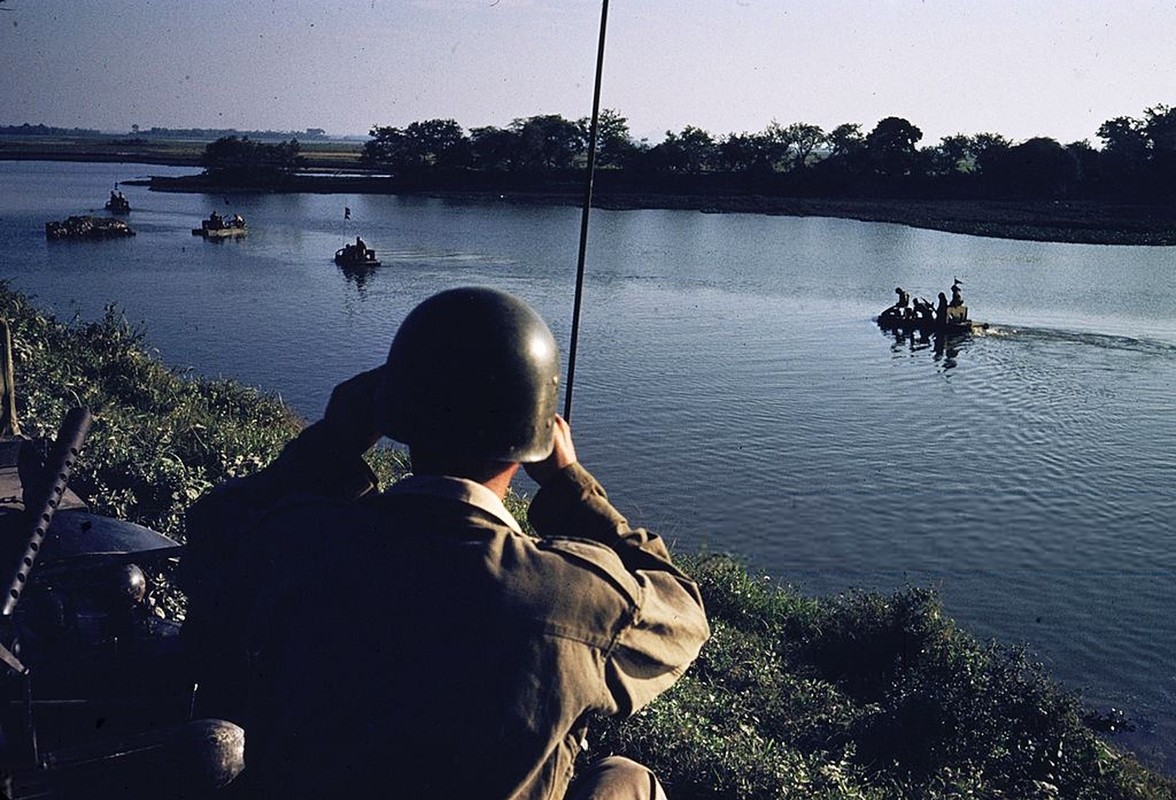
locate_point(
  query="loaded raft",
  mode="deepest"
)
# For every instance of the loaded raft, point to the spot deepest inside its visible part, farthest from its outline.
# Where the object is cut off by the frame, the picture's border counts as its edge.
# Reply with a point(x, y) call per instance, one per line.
point(924, 318)
point(86, 227)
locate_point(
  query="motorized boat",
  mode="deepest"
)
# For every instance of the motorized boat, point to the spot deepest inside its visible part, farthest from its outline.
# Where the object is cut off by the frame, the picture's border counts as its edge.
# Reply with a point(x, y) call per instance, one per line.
point(118, 203)
point(356, 256)
point(922, 318)
point(219, 227)
point(957, 323)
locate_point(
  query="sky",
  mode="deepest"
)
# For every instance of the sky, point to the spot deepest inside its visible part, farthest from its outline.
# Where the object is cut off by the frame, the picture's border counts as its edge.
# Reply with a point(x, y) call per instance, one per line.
point(1021, 68)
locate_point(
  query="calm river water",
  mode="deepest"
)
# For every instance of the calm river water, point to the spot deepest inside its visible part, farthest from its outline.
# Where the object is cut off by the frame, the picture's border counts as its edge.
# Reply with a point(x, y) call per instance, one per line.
point(732, 390)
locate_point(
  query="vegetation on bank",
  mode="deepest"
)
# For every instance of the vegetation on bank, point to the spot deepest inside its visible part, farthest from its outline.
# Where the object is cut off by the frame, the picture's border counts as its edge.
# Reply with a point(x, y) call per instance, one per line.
point(1137, 160)
point(230, 159)
point(1119, 217)
point(861, 696)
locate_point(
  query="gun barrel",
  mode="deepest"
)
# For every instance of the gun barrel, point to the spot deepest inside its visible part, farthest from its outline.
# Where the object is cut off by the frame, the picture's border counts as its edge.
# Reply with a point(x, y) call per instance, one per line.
point(65, 453)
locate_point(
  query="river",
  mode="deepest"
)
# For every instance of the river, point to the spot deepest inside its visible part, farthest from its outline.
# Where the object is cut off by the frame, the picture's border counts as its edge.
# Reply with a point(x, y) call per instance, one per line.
point(732, 390)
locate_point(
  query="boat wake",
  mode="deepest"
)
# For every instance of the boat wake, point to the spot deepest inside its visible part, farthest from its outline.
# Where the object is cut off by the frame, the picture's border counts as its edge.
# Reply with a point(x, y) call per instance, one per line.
point(1103, 341)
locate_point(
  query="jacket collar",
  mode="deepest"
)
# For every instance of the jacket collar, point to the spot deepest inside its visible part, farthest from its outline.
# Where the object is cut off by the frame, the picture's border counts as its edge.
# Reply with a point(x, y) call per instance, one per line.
point(462, 490)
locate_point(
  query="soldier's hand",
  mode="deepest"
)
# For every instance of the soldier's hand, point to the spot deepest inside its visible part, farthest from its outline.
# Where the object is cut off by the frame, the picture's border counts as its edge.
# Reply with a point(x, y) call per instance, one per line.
point(350, 413)
point(562, 455)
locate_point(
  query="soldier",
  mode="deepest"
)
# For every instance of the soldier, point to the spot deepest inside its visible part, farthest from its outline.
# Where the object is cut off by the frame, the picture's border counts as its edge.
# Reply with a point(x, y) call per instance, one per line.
point(957, 298)
point(900, 309)
point(941, 310)
point(418, 638)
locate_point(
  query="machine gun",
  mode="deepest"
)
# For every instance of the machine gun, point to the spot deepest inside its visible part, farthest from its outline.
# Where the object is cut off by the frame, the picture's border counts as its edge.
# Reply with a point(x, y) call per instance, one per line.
point(94, 697)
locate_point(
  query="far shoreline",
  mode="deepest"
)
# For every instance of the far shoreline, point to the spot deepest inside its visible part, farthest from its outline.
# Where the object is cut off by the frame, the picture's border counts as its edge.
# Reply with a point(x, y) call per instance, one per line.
point(1059, 221)
point(1068, 222)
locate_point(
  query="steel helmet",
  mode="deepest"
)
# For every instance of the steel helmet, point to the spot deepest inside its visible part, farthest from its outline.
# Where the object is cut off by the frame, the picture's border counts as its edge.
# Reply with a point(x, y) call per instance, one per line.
point(472, 371)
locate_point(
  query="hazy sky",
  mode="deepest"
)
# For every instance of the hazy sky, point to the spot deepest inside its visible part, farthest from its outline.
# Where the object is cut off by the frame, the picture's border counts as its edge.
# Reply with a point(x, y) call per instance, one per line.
point(1022, 68)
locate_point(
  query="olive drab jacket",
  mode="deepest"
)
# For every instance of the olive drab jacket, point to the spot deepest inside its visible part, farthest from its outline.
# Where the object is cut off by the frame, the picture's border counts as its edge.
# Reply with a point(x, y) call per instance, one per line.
point(419, 640)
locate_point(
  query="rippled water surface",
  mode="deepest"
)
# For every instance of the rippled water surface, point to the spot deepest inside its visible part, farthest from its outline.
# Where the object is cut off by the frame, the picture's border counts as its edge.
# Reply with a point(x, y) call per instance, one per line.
point(732, 391)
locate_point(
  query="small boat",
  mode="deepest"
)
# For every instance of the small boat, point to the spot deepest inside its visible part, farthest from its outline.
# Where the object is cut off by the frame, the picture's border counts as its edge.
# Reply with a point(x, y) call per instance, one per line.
point(218, 227)
point(924, 319)
point(118, 203)
point(86, 227)
point(356, 256)
point(957, 323)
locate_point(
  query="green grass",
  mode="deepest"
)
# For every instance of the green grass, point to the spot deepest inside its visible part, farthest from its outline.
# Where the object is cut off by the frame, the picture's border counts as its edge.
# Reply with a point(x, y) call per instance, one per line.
point(858, 696)
point(160, 437)
point(864, 695)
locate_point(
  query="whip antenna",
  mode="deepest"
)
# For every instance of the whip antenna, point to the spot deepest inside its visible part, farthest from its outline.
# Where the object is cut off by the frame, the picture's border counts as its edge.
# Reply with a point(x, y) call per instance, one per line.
point(592, 134)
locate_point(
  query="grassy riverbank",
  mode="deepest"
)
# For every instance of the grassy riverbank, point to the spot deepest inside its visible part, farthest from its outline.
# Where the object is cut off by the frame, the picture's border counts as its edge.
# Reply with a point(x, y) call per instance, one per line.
point(862, 696)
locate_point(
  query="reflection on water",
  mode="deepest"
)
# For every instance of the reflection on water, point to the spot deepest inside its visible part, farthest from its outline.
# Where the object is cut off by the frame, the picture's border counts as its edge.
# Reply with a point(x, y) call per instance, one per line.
point(358, 276)
point(944, 348)
point(732, 390)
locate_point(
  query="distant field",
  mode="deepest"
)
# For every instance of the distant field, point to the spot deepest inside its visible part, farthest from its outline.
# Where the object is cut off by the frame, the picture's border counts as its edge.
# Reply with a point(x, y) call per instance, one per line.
point(319, 155)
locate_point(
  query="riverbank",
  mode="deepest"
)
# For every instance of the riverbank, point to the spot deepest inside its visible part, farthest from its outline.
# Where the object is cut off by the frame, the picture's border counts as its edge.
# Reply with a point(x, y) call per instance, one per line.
point(1056, 221)
point(333, 167)
point(864, 695)
point(1076, 222)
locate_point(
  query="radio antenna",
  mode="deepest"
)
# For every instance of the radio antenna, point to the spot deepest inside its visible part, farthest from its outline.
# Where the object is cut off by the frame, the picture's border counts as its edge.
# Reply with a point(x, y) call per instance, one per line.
point(592, 136)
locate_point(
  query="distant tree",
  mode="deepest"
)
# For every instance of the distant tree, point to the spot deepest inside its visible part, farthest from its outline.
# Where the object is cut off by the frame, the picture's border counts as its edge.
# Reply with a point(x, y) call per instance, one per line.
point(692, 151)
point(230, 159)
point(388, 147)
point(846, 163)
point(1087, 160)
point(953, 155)
point(891, 146)
point(741, 152)
point(775, 144)
point(1037, 168)
point(494, 148)
point(1125, 146)
point(431, 143)
point(440, 142)
point(961, 154)
point(803, 139)
point(984, 149)
point(548, 142)
point(846, 140)
point(615, 146)
point(1159, 123)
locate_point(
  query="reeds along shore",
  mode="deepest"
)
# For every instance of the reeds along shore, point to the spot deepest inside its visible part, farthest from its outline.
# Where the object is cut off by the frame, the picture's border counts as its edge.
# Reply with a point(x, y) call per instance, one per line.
point(858, 696)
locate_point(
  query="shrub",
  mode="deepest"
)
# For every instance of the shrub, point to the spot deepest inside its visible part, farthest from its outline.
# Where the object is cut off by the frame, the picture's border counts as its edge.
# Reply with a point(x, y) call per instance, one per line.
point(863, 695)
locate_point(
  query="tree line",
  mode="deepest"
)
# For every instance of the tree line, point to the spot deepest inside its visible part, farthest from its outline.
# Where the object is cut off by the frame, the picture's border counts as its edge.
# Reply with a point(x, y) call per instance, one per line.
point(1137, 159)
point(232, 159)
